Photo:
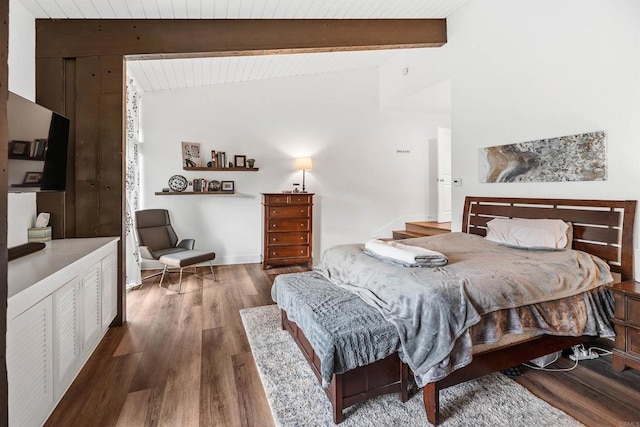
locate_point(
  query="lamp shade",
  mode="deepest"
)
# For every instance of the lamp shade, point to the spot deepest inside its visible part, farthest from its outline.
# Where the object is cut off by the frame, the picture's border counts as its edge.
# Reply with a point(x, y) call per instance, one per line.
point(304, 164)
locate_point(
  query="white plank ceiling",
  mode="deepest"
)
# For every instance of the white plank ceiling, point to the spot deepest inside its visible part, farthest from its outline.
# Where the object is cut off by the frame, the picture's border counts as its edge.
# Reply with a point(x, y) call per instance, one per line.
point(171, 74)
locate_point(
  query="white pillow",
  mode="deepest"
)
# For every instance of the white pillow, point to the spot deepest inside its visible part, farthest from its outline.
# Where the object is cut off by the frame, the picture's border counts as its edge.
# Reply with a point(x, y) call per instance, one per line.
point(529, 233)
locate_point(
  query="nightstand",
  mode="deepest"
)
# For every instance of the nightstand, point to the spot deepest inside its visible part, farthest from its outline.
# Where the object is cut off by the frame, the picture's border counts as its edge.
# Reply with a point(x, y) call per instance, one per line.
point(627, 325)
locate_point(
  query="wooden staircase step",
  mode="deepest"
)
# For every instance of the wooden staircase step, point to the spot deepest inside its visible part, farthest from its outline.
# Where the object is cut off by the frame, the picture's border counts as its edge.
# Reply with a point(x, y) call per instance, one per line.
point(405, 234)
point(422, 229)
point(429, 228)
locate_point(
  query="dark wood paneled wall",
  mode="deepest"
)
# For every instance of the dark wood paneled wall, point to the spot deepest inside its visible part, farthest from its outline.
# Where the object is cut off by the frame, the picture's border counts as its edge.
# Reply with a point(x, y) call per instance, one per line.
point(80, 73)
point(4, 136)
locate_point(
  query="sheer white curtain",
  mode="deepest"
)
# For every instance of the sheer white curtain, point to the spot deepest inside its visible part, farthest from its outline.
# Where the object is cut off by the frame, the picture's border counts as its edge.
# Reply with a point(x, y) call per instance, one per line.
point(132, 257)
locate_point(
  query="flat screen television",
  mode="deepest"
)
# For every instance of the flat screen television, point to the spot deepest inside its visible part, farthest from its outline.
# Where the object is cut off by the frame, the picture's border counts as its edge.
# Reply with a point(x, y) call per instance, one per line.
point(38, 140)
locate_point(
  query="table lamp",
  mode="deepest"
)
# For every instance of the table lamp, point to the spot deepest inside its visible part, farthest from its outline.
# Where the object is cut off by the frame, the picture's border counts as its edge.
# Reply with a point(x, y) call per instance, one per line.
point(304, 164)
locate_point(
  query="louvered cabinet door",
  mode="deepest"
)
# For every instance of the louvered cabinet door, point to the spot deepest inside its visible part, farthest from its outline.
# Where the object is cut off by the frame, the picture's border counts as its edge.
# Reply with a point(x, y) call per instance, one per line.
point(29, 365)
point(91, 295)
point(67, 335)
point(109, 290)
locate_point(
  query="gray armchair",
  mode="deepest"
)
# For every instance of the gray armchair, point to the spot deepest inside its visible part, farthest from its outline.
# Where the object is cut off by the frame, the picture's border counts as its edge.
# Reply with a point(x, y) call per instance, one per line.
point(156, 235)
point(158, 241)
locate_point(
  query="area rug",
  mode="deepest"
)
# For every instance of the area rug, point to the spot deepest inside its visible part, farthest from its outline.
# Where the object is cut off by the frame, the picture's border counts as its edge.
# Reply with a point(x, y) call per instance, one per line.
point(296, 398)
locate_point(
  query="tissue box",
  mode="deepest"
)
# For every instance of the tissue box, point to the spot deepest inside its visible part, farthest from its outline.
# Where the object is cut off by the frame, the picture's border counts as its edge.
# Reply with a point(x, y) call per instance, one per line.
point(42, 234)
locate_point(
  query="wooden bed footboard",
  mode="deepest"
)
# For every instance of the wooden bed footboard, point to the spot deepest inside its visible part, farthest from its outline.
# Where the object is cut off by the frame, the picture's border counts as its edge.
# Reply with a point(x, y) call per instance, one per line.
point(389, 375)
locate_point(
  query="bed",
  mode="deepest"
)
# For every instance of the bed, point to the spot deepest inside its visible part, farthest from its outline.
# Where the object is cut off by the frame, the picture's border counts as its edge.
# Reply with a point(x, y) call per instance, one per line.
point(599, 227)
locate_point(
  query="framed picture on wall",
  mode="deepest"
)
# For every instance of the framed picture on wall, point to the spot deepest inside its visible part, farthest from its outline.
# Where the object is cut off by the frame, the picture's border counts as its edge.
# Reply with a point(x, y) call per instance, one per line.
point(32, 178)
point(191, 157)
point(228, 186)
point(240, 161)
point(19, 149)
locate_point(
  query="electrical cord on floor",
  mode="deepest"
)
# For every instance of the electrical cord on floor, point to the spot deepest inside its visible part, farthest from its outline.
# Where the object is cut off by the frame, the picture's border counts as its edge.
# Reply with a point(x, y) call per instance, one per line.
point(537, 368)
point(604, 351)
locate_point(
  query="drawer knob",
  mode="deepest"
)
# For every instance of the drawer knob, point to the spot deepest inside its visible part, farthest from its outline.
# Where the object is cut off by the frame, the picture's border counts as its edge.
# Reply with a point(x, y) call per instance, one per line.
point(301, 252)
point(301, 238)
point(274, 226)
point(301, 210)
point(274, 253)
point(275, 212)
point(301, 225)
point(274, 239)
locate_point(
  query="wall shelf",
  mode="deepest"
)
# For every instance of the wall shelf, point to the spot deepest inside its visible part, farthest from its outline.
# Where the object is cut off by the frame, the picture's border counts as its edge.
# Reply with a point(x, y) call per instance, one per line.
point(204, 168)
point(193, 193)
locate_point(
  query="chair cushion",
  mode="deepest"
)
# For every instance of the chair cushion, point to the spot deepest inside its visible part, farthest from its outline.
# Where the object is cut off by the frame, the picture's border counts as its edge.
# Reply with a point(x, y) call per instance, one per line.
point(186, 258)
point(162, 252)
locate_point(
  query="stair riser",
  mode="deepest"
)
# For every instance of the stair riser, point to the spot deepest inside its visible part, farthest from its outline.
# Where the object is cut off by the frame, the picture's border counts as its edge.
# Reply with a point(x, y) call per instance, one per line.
point(427, 231)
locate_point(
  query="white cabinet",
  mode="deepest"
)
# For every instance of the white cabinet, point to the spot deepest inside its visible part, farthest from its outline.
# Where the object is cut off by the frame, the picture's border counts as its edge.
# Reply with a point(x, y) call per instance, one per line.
point(109, 289)
point(67, 336)
point(91, 293)
point(55, 324)
point(30, 365)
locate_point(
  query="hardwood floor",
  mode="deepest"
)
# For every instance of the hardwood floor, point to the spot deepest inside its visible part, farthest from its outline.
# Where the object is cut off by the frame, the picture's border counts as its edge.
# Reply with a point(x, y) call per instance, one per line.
point(184, 360)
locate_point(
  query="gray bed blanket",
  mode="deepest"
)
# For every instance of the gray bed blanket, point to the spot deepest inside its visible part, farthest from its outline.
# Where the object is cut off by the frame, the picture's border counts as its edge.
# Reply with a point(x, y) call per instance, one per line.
point(432, 308)
point(344, 331)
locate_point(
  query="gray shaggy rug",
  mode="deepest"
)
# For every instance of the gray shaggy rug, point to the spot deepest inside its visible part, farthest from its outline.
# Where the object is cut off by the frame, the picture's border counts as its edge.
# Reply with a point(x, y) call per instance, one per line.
point(296, 398)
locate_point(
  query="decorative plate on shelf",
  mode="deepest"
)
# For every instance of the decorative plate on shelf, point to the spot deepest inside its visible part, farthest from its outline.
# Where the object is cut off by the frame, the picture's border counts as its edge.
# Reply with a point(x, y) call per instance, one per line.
point(178, 183)
point(214, 185)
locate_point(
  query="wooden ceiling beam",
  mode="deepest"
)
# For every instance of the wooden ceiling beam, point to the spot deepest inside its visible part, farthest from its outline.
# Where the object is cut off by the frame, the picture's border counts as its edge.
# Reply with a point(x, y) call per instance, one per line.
point(57, 38)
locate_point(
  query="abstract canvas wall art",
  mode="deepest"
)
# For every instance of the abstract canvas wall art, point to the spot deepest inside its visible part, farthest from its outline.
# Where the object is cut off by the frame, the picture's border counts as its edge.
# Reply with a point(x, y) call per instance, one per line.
point(580, 157)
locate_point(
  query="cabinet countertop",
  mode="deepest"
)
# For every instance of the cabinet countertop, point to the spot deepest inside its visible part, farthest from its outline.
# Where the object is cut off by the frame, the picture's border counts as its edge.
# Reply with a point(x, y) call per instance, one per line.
point(54, 261)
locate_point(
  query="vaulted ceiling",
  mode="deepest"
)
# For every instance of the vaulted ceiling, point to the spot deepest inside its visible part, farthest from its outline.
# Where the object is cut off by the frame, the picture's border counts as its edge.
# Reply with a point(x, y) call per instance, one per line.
point(169, 74)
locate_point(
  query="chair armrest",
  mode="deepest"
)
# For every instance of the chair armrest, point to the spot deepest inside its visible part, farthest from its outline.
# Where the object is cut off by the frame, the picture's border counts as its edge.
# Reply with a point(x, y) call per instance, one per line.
point(147, 253)
point(186, 244)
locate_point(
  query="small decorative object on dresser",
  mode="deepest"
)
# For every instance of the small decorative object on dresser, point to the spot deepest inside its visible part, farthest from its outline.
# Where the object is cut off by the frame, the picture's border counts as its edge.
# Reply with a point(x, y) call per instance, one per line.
point(287, 229)
point(239, 161)
point(627, 325)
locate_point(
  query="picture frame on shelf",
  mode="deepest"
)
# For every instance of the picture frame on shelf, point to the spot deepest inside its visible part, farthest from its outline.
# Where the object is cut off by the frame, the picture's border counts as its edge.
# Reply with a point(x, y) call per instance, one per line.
point(191, 155)
point(240, 161)
point(19, 148)
point(32, 178)
point(227, 186)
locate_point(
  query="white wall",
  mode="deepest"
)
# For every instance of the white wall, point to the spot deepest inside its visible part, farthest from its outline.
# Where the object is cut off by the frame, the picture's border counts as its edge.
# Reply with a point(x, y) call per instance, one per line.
point(526, 70)
point(363, 188)
point(22, 51)
point(21, 206)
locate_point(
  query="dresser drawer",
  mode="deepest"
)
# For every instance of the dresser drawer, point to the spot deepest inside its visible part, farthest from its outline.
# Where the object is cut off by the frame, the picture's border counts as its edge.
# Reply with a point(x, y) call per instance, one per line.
point(288, 238)
point(289, 252)
point(276, 200)
point(287, 225)
point(297, 199)
point(301, 211)
point(633, 341)
point(633, 311)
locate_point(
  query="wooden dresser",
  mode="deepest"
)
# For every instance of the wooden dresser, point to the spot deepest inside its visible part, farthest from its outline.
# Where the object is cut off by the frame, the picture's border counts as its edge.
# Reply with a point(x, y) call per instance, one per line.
point(287, 229)
point(627, 325)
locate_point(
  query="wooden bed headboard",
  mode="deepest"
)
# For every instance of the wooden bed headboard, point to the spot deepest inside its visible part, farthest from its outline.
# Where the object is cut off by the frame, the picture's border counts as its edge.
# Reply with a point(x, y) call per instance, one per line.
point(600, 227)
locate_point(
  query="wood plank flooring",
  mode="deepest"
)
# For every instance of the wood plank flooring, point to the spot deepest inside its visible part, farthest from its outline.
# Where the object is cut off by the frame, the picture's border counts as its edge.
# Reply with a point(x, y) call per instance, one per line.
point(184, 360)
